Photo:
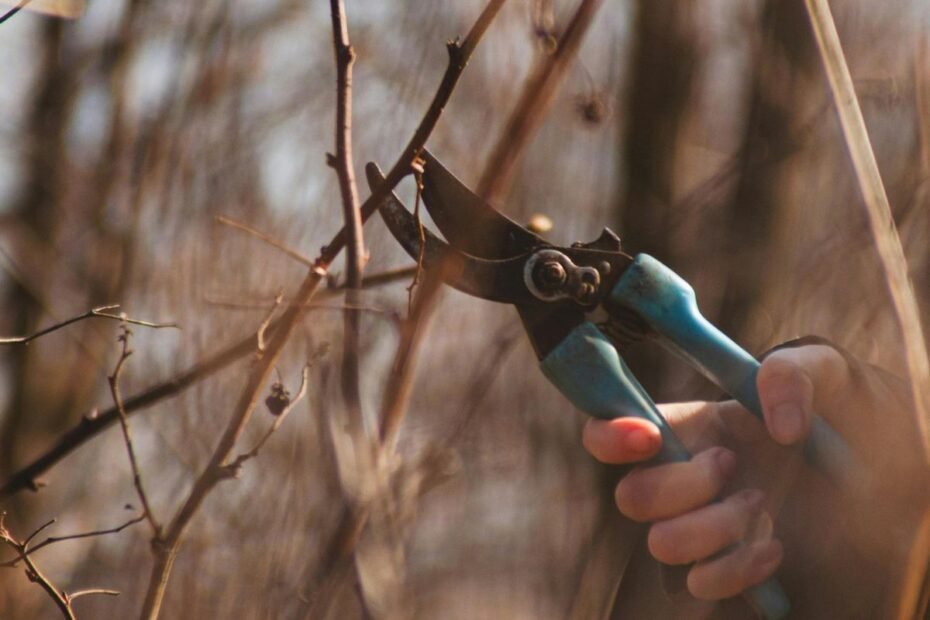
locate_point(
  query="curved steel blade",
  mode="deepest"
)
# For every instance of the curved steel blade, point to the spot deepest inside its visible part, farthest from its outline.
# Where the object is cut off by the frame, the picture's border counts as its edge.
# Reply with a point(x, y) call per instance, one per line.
point(467, 221)
point(495, 280)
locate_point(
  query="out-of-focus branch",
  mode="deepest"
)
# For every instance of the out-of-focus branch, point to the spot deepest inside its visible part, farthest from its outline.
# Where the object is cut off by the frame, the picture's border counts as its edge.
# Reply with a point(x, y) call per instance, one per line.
point(534, 103)
point(233, 223)
point(877, 206)
point(99, 312)
point(113, 380)
point(912, 580)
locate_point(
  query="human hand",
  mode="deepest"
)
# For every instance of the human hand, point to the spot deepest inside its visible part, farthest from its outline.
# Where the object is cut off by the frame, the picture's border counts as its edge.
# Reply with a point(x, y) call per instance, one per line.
point(837, 547)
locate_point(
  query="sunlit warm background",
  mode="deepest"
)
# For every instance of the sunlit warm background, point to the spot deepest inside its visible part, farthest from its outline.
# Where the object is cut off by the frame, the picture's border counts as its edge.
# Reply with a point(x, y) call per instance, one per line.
point(702, 132)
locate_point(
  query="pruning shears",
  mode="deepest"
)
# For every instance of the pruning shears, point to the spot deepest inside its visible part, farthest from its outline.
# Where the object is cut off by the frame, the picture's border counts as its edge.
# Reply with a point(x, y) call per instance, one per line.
point(555, 289)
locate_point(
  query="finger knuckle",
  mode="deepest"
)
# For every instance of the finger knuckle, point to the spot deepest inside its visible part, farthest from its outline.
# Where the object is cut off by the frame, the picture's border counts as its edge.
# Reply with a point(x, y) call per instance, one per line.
point(633, 496)
point(661, 544)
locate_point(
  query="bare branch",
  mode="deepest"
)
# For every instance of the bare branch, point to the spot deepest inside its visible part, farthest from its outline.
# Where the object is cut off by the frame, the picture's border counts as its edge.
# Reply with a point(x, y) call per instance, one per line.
point(99, 312)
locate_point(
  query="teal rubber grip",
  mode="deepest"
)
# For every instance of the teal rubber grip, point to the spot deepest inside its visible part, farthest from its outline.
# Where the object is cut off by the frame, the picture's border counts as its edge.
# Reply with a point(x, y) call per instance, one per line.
point(667, 303)
point(589, 371)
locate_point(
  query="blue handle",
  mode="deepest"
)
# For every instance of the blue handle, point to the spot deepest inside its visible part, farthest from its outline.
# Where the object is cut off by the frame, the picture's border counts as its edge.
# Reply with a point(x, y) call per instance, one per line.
point(667, 303)
point(587, 369)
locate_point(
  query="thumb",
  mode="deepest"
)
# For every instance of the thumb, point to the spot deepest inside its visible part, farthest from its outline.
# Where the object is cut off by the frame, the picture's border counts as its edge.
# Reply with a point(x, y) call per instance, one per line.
point(795, 382)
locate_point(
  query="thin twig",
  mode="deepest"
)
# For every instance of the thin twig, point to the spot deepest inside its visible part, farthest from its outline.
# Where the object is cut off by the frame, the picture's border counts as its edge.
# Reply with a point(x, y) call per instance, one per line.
point(260, 333)
point(112, 530)
point(113, 380)
point(234, 303)
point(535, 101)
point(99, 312)
point(45, 525)
point(33, 573)
point(105, 591)
point(418, 175)
point(299, 257)
point(278, 421)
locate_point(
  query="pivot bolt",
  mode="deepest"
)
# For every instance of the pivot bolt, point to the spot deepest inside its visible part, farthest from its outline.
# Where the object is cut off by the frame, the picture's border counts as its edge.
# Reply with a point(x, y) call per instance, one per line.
point(551, 275)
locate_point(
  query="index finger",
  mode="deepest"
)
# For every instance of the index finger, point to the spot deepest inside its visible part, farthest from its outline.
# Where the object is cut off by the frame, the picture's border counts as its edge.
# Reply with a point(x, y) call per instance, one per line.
point(632, 440)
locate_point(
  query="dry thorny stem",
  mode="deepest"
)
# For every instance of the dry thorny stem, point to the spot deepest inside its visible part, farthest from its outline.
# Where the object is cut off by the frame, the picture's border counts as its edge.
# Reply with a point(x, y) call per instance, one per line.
point(98, 312)
point(24, 553)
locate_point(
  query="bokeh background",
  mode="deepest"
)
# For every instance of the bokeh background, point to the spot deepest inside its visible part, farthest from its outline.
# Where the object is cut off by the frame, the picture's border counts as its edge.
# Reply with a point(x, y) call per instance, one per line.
point(702, 132)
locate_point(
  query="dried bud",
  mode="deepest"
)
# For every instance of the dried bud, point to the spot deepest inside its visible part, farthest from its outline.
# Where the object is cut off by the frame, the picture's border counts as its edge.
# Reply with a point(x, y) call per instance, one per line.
point(278, 400)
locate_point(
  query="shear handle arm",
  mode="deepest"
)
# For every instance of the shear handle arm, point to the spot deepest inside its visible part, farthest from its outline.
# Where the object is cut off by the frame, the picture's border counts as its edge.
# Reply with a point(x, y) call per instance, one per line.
point(667, 303)
point(587, 369)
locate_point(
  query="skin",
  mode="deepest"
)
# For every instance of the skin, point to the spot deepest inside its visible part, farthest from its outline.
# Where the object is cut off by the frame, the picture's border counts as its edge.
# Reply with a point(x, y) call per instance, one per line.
point(835, 548)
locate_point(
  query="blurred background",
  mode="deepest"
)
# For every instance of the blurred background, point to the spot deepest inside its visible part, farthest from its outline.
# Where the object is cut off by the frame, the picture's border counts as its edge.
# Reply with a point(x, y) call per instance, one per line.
point(702, 132)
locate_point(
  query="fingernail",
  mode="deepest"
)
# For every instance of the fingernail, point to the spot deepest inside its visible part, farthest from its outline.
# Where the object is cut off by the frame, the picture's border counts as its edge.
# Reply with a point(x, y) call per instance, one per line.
point(642, 440)
point(726, 461)
point(786, 421)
